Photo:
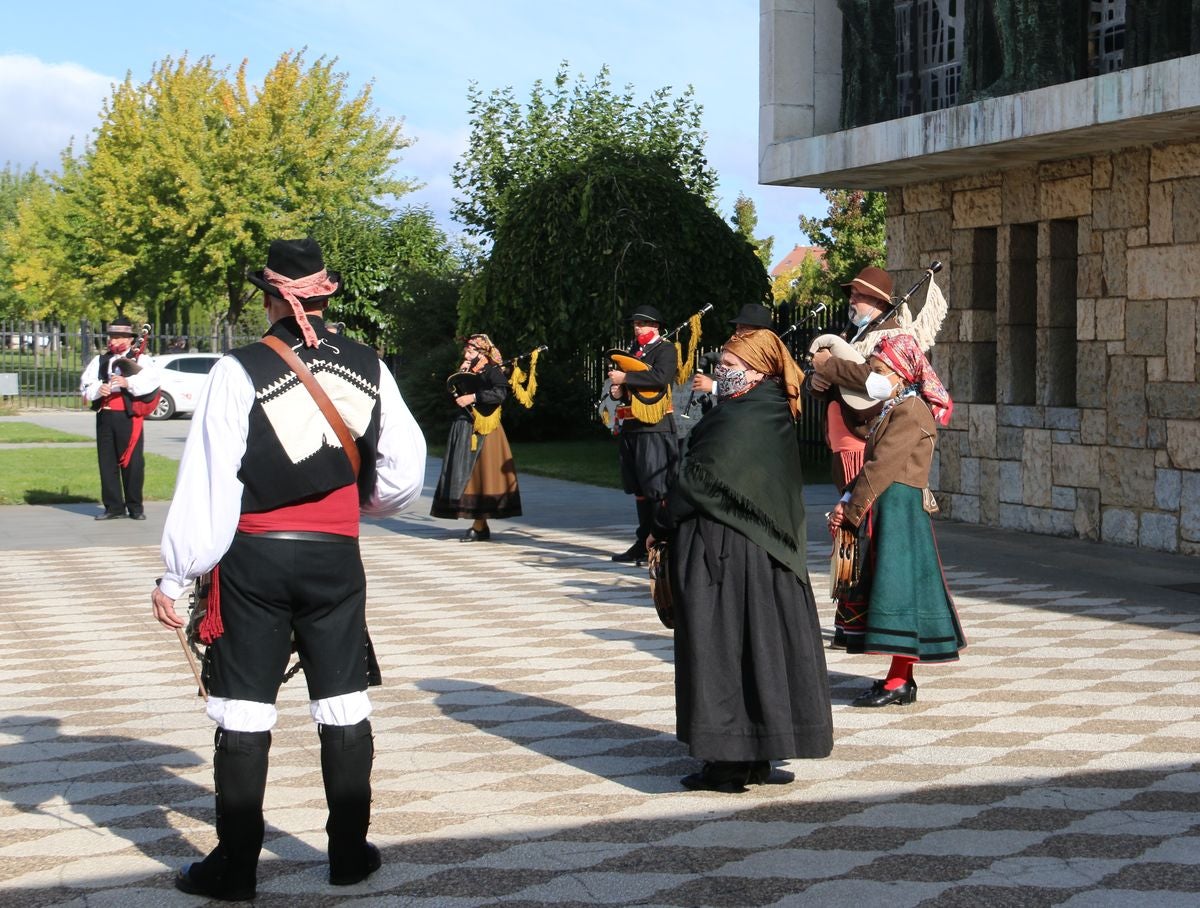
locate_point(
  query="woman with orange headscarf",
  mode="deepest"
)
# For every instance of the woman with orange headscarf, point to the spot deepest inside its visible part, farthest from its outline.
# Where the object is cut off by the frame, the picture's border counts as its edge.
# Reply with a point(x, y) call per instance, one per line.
point(909, 614)
point(750, 678)
point(479, 478)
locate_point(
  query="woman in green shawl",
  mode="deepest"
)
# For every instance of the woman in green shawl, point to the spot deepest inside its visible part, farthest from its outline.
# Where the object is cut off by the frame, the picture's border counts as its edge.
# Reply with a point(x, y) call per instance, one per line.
point(750, 676)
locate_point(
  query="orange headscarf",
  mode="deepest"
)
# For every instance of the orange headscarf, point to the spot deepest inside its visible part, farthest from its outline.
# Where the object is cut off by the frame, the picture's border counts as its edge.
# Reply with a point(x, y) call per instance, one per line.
point(763, 351)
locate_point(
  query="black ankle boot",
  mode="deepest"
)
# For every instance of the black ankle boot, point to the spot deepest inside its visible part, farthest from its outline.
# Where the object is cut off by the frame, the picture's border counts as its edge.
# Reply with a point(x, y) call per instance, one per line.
point(347, 752)
point(229, 872)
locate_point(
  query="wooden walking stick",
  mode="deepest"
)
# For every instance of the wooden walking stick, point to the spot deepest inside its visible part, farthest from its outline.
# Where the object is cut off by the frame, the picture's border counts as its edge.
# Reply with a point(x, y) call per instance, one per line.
point(192, 662)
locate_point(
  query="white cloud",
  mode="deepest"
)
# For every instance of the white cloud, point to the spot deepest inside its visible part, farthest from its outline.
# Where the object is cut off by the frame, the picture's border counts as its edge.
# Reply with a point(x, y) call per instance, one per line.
point(45, 105)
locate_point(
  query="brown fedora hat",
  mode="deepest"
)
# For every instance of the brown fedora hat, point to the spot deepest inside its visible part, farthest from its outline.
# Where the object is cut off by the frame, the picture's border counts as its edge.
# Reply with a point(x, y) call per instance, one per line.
point(873, 282)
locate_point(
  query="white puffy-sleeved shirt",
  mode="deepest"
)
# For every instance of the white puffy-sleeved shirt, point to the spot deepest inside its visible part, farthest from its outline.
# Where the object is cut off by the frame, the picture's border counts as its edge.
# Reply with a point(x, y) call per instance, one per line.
point(206, 508)
point(144, 382)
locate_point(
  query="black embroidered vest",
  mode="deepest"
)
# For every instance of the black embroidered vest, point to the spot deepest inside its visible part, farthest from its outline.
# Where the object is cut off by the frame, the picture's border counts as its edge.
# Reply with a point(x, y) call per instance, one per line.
point(292, 453)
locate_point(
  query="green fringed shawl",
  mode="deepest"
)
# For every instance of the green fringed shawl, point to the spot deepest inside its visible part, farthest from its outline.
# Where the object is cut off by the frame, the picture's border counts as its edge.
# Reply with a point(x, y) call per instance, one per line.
point(741, 467)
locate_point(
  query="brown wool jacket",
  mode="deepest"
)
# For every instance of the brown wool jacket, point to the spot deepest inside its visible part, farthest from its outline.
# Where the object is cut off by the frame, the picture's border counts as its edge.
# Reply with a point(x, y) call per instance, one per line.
point(900, 450)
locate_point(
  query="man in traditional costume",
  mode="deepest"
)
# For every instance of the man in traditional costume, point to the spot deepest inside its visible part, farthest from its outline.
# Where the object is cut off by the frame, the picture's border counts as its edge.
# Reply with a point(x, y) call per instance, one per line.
point(647, 445)
point(110, 383)
point(751, 683)
point(268, 499)
point(840, 374)
point(908, 611)
point(479, 477)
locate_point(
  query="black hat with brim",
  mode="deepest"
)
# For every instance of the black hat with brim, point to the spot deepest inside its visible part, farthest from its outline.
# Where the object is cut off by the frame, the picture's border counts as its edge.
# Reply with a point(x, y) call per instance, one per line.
point(295, 259)
point(120, 327)
point(647, 314)
point(754, 314)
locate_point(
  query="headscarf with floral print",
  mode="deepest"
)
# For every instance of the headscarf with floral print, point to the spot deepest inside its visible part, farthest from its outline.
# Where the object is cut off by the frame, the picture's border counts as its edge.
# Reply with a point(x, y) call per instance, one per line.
point(902, 353)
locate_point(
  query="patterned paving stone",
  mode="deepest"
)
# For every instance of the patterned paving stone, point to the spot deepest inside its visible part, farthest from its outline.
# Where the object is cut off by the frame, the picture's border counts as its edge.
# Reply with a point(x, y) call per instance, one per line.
point(526, 754)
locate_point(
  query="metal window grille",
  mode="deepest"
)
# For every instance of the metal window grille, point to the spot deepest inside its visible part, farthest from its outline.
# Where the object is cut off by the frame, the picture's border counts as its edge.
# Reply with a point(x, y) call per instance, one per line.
point(929, 54)
point(1106, 36)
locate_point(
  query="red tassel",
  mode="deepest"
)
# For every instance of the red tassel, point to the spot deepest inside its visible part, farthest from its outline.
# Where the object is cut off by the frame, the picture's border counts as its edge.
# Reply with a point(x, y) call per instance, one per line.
point(211, 626)
point(133, 440)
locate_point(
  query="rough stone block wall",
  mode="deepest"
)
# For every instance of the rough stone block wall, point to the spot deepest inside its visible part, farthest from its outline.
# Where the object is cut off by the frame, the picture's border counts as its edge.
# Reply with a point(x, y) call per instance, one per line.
point(1122, 462)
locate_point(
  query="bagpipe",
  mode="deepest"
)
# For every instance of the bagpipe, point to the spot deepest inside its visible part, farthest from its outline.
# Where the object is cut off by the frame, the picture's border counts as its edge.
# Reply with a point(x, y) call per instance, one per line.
point(523, 385)
point(843, 346)
point(646, 406)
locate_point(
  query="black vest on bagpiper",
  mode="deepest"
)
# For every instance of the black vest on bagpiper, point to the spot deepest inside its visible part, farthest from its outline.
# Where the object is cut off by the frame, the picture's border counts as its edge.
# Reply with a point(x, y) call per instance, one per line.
point(292, 453)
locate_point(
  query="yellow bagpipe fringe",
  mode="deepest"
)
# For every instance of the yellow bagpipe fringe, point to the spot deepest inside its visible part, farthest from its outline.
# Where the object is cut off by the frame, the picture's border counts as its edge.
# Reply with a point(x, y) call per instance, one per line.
point(683, 366)
point(524, 387)
point(483, 425)
point(650, 413)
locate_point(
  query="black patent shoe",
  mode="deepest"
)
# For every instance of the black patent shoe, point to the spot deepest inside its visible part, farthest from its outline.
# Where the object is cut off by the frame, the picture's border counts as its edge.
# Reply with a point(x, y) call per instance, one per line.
point(474, 535)
point(209, 879)
point(728, 777)
point(111, 515)
point(348, 876)
point(635, 554)
point(878, 695)
point(140, 515)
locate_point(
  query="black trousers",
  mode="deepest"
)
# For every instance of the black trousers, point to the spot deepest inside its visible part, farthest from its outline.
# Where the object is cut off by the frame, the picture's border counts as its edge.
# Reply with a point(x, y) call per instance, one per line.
point(120, 488)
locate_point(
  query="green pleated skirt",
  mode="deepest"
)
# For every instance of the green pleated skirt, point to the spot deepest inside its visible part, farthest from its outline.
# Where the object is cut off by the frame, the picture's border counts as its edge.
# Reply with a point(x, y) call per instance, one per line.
point(909, 611)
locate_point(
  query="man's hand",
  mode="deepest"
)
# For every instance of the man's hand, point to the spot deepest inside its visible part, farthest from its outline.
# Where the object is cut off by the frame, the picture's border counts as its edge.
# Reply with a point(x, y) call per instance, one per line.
point(703, 383)
point(837, 516)
point(821, 357)
point(465, 400)
point(615, 391)
point(616, 376)
point(164, 610)
point(118, 381)
point(818, 383)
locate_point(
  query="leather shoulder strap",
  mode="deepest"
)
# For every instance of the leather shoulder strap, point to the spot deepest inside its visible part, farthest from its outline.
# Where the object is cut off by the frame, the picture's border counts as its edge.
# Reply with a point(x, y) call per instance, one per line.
point(318, 394)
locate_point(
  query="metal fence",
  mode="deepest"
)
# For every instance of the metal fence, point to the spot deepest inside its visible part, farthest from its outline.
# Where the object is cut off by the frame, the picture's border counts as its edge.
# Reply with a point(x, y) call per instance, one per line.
point(41, 362)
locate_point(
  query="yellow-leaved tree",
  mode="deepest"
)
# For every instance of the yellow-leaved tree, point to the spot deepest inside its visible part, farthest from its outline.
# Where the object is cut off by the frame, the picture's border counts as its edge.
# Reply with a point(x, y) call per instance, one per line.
point(191, 174)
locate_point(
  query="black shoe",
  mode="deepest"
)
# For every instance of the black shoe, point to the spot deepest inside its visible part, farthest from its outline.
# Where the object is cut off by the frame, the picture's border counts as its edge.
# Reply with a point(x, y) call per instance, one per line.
point(762, 773)
point(877, 695)
point(635, 554)
point(728, 777)
point(344, 877)
point(474, 535)
point(839, 639)
point(140, 515)
point(206, 878)
point(111, 515)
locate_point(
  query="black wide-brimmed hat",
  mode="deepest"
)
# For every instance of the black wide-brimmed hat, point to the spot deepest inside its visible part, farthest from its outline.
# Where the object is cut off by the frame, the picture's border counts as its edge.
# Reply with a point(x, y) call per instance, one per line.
point(295, 259)
point(756, 315)
point(120, 327)
point(647, 314)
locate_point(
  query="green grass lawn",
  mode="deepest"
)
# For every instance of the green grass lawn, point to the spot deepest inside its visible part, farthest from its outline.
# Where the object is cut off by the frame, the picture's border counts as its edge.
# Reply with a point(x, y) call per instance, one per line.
point(66, 475)
point(30, 433)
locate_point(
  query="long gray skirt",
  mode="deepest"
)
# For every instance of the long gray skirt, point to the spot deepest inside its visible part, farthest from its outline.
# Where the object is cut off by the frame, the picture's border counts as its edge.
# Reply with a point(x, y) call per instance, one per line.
point(750, 676)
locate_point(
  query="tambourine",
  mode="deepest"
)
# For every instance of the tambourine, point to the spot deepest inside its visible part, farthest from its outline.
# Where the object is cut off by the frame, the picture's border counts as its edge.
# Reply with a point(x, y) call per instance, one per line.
point(660, 584)
point(461, 383)
point(846, 561)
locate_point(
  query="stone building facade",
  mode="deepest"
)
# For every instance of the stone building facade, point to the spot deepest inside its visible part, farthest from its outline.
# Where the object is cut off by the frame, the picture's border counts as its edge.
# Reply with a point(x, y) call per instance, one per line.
point(1068, 219)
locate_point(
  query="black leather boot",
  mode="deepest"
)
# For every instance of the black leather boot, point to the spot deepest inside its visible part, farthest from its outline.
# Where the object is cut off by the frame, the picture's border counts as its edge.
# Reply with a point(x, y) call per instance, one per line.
point(228, 874)
point(347, 752)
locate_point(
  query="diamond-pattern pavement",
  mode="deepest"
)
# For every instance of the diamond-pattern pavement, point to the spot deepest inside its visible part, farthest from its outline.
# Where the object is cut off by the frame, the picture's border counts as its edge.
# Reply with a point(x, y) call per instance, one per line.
point(526, 755)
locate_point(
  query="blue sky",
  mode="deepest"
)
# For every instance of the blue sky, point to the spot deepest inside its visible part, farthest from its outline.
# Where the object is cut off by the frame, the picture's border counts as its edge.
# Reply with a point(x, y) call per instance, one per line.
point(58, 60)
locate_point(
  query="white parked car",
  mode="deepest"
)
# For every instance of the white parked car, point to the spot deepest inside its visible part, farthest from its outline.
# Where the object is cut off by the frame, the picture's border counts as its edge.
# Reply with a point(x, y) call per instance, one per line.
point(183, 376)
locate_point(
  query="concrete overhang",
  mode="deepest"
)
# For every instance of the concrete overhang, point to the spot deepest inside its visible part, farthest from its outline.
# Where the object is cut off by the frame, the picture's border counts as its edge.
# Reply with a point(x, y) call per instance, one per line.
point(1139, 106)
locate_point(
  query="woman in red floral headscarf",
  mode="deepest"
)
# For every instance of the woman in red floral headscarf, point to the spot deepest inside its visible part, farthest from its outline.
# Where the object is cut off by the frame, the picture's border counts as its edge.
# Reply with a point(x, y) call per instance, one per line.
point(909, 613)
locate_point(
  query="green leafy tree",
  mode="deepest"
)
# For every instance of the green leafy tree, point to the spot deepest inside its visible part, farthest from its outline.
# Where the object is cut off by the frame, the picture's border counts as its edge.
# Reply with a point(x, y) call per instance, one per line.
point(511, 149)
point(15, 187)
point(804, 285)
point(745, 222)
point(191, 174)
point(852, 234)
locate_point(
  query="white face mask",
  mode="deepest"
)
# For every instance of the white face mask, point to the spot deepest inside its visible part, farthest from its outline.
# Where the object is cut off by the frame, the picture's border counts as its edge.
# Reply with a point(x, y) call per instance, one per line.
point(879, 387)
point(860, 320)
